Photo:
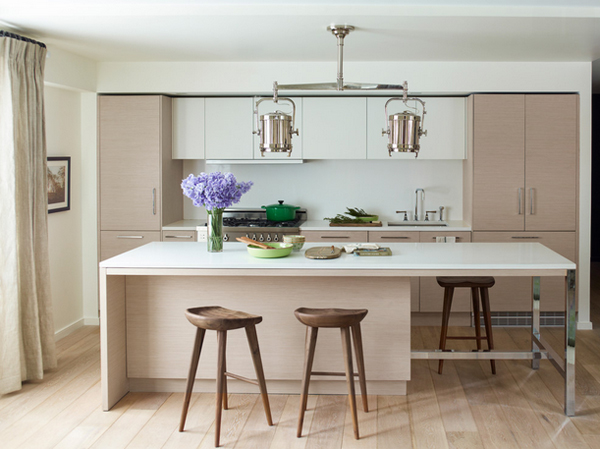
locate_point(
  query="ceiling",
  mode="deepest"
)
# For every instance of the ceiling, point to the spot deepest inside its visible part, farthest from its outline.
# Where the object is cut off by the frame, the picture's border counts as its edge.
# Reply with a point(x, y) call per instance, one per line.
point(284, 30)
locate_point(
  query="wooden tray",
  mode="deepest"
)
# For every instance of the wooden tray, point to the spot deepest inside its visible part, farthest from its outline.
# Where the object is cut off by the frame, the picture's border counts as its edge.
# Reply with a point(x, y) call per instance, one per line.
point(323, 252)
point(372, 224)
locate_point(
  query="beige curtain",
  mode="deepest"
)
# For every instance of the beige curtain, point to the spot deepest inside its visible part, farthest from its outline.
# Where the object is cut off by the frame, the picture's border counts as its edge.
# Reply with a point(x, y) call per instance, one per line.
point(26, 324)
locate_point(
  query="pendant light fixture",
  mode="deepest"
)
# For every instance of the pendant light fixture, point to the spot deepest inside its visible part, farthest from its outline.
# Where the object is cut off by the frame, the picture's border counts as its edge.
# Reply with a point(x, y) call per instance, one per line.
point(275, 130)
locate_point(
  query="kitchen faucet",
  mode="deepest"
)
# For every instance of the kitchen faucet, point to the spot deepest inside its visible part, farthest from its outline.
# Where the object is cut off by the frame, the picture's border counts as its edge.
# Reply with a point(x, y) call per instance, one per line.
point(419, 210)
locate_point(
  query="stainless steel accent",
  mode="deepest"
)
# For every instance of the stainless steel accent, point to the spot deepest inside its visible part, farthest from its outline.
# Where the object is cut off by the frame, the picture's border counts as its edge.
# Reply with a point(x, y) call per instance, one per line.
point(441, 214)
point(268, 237)
point(178, 236)
point(451, 354)
point(520, 195)
point(394, 237)
point(225, 237)
point(535, 322)
point(429, 212)
point(571, 328)
point(524, 237)
point(340, 31)
point(419, 210)
point(403, 212)
point(130, 236)
point(417, 223)
point(404, 129)
point(531, 201)
point(153, 201)
point(457, 238)
point(275, 129)
point(553, 356)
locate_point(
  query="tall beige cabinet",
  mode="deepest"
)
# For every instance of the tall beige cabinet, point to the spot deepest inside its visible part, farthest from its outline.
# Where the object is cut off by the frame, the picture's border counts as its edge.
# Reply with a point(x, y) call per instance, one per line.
point(521, 182)
point(138, 179)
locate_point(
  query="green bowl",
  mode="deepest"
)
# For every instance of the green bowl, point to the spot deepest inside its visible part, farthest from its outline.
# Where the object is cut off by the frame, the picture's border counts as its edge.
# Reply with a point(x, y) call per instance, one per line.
point(368, 219)
point(281, 250)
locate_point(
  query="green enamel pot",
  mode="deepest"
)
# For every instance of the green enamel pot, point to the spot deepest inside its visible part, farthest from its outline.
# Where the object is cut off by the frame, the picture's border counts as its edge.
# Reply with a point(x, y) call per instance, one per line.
point(281, 212)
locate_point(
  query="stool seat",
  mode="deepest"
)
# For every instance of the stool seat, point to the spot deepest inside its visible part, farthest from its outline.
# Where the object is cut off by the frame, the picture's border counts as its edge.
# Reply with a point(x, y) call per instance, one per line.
point(466, 281)
point(217, 318)
point(330, 317)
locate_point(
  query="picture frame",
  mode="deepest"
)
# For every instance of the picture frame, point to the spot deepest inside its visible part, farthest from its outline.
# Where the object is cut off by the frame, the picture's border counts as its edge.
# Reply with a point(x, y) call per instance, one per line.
point(59, 183)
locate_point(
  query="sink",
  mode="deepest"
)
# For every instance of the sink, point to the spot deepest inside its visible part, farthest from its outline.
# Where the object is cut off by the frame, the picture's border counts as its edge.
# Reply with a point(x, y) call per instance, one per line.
point(417, 223)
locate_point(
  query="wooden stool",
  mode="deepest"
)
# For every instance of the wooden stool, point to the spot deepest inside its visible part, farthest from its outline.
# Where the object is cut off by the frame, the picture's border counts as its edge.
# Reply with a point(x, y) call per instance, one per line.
point(475, 284)
point(344, 319)
point(221, 320)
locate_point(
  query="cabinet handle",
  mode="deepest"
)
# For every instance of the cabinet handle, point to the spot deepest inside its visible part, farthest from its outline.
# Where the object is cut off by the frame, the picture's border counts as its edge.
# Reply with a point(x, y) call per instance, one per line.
point(531, 201)
point(178, 236)
point(130, 236)
point(153, 201)
point(335, 237)
point(392, 237)
point(457, 238)
point(520, 193)
point(518, 237)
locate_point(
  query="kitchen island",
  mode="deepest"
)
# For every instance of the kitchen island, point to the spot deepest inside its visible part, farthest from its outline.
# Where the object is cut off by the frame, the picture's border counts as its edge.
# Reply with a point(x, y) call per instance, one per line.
point(146, 342)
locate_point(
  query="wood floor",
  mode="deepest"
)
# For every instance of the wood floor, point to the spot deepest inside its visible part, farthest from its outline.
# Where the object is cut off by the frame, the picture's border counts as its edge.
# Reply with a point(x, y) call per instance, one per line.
point(466, 407)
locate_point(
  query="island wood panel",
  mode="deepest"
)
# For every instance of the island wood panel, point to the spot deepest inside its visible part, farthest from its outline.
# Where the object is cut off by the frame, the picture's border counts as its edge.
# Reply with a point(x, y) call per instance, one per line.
point(514, 293)
point(335, 235)
point(551, 128)
point(129, 137)
point(179, 236)
point(113, 243)
point(160, 339)
point(498, 162)
point(431, 294)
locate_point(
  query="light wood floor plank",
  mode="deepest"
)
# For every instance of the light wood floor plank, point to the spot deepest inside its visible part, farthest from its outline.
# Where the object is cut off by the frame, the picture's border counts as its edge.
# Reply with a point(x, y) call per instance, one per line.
point(393, 422)
point(201, 416)
point(285, 434)
point(257, 433)
point(367, 425)
point(327, 427)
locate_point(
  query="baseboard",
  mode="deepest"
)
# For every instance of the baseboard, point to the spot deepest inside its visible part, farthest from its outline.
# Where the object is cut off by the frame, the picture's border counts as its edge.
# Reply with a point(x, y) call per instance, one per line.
point(584, 325)
point(69, 329)
point(91, 321)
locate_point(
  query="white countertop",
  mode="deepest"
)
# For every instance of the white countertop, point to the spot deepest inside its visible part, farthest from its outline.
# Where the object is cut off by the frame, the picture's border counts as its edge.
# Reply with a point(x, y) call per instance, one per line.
point(322, 225)
point(409, 258)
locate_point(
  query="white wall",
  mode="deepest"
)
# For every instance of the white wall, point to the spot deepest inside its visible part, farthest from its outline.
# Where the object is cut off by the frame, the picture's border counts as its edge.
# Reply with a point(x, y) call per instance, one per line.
point(232, 78)
point(63, 135)
point(326, 188)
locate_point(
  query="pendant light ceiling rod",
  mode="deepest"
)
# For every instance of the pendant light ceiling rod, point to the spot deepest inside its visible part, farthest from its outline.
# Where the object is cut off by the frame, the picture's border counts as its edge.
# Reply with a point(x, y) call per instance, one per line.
point(340, 32)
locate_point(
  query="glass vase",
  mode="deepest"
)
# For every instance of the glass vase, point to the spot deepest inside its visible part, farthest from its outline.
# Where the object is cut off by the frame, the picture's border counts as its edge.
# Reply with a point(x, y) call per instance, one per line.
point(214, 239)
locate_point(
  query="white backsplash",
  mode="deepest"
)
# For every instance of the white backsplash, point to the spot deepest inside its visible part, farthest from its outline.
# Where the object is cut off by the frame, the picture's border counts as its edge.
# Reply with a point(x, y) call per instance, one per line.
point(327, 187)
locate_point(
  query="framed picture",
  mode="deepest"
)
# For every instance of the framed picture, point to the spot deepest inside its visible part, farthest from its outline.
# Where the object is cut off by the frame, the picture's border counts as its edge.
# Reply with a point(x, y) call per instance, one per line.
point(59, 184)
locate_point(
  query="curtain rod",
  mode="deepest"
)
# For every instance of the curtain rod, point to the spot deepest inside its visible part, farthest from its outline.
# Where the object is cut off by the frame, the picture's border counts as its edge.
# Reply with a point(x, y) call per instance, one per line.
point(21, 38)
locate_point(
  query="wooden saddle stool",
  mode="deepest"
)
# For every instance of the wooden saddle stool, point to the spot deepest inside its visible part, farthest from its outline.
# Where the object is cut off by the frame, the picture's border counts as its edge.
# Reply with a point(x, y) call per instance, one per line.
point(476, 284)
point(222, 320)
point(345, 319)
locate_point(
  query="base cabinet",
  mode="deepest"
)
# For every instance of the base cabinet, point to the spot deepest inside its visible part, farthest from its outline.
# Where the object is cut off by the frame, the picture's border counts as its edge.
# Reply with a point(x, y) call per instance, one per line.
point(113, 243)
point(335, 236)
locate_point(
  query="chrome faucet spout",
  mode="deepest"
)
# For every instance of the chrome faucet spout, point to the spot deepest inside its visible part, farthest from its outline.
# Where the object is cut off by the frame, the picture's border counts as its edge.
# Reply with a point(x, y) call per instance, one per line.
point(419, 203)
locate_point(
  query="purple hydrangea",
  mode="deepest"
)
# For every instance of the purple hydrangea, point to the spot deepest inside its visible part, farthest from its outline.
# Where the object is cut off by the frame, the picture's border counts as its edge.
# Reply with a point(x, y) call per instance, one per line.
point(214, 190)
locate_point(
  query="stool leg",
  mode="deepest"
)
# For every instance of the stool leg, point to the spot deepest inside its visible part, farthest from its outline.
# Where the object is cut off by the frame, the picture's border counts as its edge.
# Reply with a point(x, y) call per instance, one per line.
point(191, 376)
point(258, 368)
point(487, 319)
point(309, 356)
point(360, 364)
point(347, 349)
point(225, 403)
point(448, 293)
point(222, 345)
point(476, 316)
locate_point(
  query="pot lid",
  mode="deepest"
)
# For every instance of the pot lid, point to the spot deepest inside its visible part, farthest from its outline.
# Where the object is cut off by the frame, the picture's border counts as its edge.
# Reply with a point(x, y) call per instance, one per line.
point(277, 114)
point(405, 115)
point(281, 206)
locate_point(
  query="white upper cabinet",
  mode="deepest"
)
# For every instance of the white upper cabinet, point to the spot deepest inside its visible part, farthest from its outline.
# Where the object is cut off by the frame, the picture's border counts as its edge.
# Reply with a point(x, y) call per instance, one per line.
point(268, 106)
point(445, 123)
point(228, 128)
point(334, 128)
point(188, 128)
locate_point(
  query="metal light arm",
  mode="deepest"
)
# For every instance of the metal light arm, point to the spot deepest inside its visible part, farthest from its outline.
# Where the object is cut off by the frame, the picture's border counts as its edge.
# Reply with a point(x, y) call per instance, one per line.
point(276, 99)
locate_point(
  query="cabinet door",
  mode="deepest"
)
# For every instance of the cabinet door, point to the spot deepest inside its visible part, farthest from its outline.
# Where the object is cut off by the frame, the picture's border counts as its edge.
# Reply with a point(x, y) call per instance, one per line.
point(431, 294)
point(514, 293)
point(188, 128)
point(335, 128)
point(335, 236)
point(284, 106)
point(551, 162)
point(498, 162)
point(113, 243)
point(228, 128)
point(129, 142)
point(445, 124)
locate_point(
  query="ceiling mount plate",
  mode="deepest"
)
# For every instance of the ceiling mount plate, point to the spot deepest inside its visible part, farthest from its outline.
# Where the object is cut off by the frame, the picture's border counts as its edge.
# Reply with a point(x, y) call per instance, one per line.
point(340, 30)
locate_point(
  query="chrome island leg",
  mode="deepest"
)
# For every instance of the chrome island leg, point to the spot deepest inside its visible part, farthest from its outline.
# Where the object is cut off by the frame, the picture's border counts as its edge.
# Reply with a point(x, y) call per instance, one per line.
point(535, 322)
point(570, 331)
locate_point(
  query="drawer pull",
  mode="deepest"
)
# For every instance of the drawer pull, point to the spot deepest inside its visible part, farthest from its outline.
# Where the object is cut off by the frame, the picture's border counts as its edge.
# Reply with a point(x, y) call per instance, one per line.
point(178, 236)
point(392, 237)
point(457, 238)
point(153, 201)
point(130, 236)
point(335, 236)
point(516, 237)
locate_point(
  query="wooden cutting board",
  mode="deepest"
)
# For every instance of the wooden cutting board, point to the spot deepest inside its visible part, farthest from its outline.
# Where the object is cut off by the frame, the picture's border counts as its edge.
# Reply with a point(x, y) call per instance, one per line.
point(373, 224)
point(323, 252)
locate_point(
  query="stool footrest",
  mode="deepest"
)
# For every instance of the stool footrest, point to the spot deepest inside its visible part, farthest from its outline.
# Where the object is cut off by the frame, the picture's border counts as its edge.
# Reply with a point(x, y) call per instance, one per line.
point(328, 373)
point(242, 378)
point(466, 338)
